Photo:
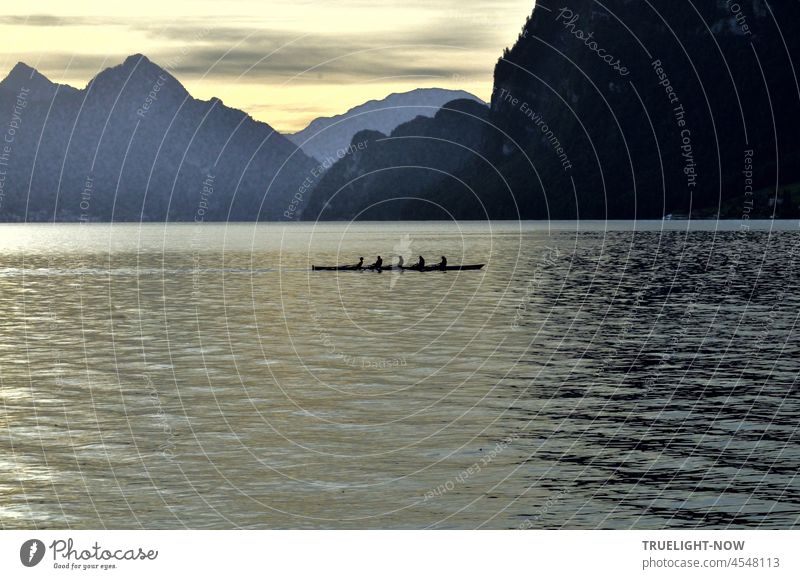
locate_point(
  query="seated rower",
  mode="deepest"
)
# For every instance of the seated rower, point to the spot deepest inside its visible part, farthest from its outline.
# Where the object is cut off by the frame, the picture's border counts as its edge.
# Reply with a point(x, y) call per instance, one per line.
point(420, 265)
point(443, 263)
point(400, 262)
point(378, 263)
point(360, 263)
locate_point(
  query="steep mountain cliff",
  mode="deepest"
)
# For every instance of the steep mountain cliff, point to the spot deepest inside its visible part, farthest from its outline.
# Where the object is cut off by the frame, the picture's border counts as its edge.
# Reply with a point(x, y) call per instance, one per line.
point(659, 107)
point(134, 145)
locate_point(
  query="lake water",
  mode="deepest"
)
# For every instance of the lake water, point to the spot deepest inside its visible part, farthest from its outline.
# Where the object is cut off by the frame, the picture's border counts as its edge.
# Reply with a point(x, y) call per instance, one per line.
point(596, 376)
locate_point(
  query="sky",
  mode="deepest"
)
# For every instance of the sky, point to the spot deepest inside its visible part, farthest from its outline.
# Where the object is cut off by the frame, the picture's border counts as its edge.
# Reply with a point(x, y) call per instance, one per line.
point(284, 62)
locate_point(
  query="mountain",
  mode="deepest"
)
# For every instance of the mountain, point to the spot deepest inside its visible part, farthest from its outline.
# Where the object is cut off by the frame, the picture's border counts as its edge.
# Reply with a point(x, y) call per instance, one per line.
point(624, 110)
point(324, 137)
point(135, 145)
point(392, 176)
point(659, 107)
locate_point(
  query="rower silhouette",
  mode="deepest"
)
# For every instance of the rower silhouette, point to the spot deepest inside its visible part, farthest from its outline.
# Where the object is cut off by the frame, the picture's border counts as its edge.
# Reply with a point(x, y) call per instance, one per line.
point(443, 263)
point(378, 263)
point(360, 263)
point(400, 262)
point(420, 265)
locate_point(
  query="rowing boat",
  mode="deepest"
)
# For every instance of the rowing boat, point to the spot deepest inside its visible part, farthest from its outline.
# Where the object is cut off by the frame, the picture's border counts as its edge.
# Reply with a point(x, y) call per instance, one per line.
point(391, 267)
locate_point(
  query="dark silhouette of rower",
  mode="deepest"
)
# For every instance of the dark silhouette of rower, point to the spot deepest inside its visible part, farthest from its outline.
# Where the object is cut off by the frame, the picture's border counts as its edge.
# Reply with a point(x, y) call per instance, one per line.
point(378, 263)
point(360, 263)
point(443, 263)
point(400, 262)
point(420, 265)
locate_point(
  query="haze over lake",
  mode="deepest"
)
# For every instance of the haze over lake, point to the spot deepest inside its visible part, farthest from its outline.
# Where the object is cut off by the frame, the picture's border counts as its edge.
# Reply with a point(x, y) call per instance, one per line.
point(592, 375)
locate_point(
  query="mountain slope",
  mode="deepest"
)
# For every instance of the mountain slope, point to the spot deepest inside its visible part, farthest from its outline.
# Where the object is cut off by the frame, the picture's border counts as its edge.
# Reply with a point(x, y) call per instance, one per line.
point(134, 145)
point(396, 176)
point(325, 136)
point(660, 107)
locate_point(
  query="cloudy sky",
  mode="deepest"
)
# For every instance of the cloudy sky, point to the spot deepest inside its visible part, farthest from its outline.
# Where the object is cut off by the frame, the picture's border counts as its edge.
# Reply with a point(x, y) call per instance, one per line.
point(284, 62)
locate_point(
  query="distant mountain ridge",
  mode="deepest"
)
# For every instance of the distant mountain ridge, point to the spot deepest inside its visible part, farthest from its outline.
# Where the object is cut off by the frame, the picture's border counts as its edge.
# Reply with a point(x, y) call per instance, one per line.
point(325, 136)
point(135, 145)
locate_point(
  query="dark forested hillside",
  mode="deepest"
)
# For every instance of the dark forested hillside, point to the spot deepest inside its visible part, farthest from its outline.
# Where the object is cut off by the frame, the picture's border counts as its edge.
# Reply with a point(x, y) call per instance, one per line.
point(661, 106)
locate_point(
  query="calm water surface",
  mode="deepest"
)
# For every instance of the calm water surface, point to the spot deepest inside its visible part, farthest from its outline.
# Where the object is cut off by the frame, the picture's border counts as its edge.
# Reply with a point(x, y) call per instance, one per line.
point(601, 376)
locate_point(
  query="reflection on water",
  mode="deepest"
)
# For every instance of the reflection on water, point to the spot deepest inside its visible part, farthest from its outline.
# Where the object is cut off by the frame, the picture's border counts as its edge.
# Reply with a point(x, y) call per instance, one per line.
point(202, 377)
